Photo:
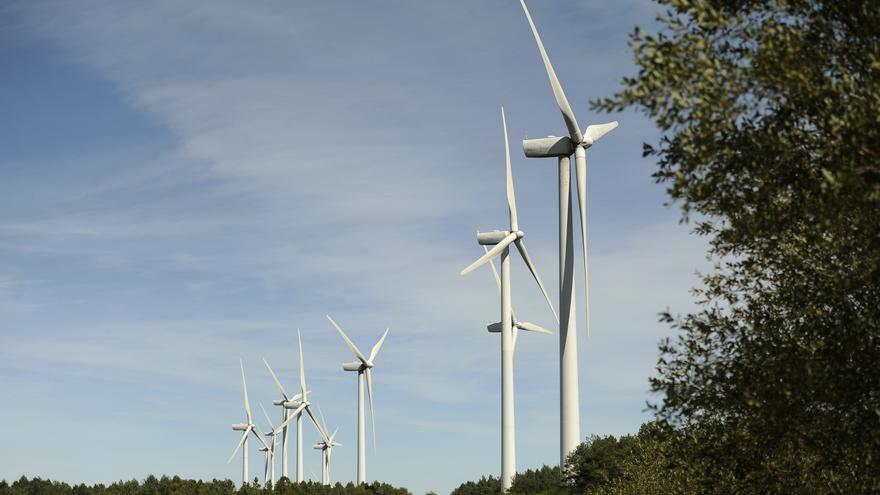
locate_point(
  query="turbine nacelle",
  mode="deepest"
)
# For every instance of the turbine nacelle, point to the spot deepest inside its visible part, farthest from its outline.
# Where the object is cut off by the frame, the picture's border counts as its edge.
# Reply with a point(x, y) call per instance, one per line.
point(356, 366)
point(551, 146)
point(240, 426)
point(496, 236)
point(294, 404)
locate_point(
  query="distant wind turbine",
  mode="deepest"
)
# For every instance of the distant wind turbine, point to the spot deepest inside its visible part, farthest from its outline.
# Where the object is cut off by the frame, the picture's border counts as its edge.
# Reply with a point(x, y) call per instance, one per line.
point(299, 403)
point(247, 428)
point(270, 452)
point(364, 367)
point(517, 325)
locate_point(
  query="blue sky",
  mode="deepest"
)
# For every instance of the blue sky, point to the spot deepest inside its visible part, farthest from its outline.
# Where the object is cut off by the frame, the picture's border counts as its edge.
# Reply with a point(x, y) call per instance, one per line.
point(184, 184)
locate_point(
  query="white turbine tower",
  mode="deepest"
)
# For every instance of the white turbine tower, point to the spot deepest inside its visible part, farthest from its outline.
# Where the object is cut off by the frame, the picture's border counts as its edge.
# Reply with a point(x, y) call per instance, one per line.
point(270, 452)
point(502, 241)
point(562, 148)
point(298, 403)
point(364, 368)
point(247, 428)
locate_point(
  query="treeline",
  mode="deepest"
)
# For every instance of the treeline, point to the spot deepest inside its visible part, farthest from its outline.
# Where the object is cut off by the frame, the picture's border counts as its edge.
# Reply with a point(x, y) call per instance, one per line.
point(178, 486)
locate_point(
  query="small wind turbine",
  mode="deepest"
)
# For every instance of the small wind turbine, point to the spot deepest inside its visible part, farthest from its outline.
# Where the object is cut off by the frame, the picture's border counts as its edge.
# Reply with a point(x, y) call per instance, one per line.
point(299, 403)
point(364, 368)
point(562, 148)
point(270, 452)
point(287, 402)
point(247, 428)
point(326, 446)
point(517, 325)
point(502, 241)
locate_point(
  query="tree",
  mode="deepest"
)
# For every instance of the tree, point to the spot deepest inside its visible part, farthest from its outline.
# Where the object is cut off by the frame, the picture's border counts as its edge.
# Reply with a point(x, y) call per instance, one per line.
point(544, 480)
point(647, 468)
point(484, 486)
point(596, 461)
point(771, 140)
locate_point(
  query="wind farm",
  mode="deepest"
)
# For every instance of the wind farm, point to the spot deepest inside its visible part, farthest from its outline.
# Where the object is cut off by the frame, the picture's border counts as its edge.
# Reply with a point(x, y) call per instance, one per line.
point(685, 304)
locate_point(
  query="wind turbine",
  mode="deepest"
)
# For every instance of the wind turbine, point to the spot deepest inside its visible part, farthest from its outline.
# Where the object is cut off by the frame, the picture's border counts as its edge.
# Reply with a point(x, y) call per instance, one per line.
point(270, 452)
point(502, 241)
point(287, 402)
point(247, 428)
point(516, 324)
point(562, 148)
point(364, 367)
point(299, 403)
point(326, 447)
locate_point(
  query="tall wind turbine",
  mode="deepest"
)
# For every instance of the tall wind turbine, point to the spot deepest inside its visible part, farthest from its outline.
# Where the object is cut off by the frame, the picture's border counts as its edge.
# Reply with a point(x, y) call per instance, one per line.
point(502, 241)
point(298, 404)
point(562, 148)
point(247, 428)
point(364, 367)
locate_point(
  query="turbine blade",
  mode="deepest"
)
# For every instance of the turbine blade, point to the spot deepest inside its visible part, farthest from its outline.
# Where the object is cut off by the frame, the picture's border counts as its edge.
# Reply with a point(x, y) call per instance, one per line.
point(494, 270)
point(247, 402)
point(520, 245)
point(322, 415)
point(375, 351)
point(531, 327)
point(369, 373)
point(348, 341)
point(511, 196)
point(594, 132)
point(498, 281)
point(574, 132)
point(581, 167)
point(320, 428)
point(267, 417)
point(240, 442)
point(259, 437)
point(495, 251)
point(302, 366)
point(277, 381)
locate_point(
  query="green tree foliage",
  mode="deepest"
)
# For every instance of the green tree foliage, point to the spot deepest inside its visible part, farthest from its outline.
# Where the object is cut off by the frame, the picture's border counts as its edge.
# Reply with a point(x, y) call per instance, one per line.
point(544, 480)
point(484, 486)
point(178, 486)
point(770, 113)
point(596, 462)
point(648, 467)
